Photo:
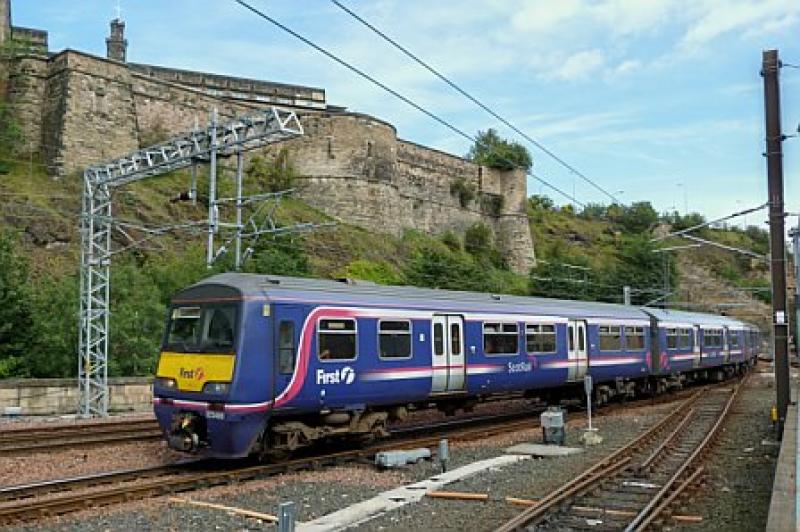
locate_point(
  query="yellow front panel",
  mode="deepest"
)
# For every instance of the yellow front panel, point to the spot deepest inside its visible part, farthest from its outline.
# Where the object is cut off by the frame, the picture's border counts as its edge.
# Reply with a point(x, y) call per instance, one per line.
point(191, 371)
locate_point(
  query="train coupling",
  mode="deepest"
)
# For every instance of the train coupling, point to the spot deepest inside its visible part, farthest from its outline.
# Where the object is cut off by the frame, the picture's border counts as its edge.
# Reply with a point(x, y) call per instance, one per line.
point(185, 434)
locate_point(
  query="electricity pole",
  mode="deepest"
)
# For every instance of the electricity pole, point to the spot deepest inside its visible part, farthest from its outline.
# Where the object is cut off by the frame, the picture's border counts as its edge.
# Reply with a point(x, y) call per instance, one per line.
point(795, 234)
point(772, 113)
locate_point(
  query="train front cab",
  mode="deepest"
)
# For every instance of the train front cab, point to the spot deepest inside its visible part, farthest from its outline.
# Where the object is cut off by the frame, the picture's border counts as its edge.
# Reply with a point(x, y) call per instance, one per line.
point(206, 394)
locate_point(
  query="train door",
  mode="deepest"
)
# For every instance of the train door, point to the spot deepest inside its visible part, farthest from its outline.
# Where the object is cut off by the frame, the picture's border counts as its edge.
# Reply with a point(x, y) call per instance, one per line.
point(698, 349)
point(287, 320)
point(577, 353)
point(448, 363)
point(726, 345)
point(655, 346)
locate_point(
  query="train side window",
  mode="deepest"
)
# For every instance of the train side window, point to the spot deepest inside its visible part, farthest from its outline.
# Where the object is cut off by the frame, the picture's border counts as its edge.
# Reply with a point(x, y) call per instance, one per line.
point(634, 337)
point(672, 338)
point(685, 338)
point(455, 338)
point(581, 339)
point(336, 339)
point(733, 339)
point(571, 337)
point(394, 339)
point(500, 338)
point(712, 338)
point(438, 339)
point(286, 348)
point(610, 337)
point(540, 338)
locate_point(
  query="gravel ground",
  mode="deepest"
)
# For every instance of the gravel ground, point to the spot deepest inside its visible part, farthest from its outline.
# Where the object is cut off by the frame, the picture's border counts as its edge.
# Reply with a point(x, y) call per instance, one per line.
point(741, 468)
point(63, 463)
point(321, 492)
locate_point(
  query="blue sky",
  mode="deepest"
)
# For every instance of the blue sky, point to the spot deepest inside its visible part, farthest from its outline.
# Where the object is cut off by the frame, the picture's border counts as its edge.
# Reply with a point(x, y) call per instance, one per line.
point(654, 98)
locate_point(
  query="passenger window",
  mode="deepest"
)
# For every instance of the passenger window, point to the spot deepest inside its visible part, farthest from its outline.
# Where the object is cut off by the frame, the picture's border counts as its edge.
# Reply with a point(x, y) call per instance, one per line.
point(455, 338)
point(610, 337)
point(581, 339)
point(734, 340)
point(394, 339)
point(336, 340)
point(634, 337)
point(500, 338)
point(540, 338)
point(438, 339)
point(286, 347)
point(672, 338)
point(685, 338)
point(571, 335)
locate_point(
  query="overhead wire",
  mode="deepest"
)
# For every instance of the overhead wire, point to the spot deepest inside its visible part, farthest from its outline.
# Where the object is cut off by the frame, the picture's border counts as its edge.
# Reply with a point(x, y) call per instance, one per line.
point(397, 94)
point(474, 100)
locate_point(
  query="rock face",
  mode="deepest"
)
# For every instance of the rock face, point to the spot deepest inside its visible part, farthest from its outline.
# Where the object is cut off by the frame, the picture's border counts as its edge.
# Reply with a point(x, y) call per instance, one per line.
point(77, 109)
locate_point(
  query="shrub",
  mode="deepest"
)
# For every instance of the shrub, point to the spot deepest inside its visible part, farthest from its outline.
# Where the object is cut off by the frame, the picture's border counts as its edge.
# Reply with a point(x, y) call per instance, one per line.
point(495, 152)
point(465, 192)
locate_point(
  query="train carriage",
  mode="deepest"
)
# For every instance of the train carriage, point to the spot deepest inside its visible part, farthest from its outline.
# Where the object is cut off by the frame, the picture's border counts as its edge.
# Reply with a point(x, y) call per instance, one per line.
point(261, 364)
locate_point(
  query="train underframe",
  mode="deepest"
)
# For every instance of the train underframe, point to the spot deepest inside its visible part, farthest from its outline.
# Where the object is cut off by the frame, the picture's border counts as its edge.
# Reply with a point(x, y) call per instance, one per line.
point(283, 436)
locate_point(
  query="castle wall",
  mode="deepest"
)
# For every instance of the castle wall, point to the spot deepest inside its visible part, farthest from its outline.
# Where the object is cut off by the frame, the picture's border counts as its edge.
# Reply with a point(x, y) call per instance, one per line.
point(84, 109)
point(5, 20)
point(26, 97)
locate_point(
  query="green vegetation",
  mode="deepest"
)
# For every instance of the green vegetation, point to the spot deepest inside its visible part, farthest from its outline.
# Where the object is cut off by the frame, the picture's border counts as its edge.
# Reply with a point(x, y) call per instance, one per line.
point(465, 192)
point(493, 151)
point(589, 254)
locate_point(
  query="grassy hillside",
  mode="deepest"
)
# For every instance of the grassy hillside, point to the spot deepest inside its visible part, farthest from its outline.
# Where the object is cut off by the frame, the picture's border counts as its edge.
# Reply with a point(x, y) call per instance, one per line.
point(587, 255)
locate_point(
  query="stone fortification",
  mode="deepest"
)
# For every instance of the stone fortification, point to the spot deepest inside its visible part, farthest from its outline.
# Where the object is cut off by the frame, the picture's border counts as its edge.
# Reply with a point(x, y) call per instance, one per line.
point(77, 109)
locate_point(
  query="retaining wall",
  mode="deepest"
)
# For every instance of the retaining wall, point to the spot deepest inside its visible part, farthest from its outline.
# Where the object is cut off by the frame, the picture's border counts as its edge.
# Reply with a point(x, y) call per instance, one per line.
point(60, 396)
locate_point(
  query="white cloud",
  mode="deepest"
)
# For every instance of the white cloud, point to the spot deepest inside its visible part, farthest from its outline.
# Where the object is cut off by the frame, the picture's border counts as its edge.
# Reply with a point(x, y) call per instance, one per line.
point(580, 66)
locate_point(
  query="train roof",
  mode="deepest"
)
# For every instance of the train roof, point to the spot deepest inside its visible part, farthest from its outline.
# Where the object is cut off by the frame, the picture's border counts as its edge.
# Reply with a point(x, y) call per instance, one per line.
point(682, 317)
point(356, 292)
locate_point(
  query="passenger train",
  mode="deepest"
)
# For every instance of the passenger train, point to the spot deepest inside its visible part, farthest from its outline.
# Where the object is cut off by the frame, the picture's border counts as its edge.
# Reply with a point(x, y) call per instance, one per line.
point(255, 364)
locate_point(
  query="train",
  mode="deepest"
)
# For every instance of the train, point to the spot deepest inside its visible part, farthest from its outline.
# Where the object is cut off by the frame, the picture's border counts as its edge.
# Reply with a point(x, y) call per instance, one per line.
point(263, 365)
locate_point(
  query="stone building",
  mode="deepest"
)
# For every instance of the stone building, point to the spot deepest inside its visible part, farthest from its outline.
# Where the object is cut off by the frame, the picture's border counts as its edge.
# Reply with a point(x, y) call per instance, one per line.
point(77, 109)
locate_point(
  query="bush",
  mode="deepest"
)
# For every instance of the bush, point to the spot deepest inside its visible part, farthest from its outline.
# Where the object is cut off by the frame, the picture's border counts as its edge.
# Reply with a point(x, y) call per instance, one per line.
point(495, 152)
point(275, 176)
point(376, 272)
point(16, 314)
point(465, 192)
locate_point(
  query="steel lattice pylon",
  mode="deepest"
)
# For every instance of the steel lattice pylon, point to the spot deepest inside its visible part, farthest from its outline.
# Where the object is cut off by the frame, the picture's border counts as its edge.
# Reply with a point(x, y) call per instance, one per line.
point(266, 127)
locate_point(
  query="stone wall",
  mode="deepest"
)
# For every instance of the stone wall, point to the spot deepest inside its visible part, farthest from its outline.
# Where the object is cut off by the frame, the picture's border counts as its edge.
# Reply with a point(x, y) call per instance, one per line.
point(82, 109)
point(5, 20)
point(60, 396)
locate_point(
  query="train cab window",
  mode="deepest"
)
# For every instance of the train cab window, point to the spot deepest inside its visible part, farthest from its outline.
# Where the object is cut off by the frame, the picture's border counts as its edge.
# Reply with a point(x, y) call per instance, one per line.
point(685, 338)
point(286, 348)
point(438, 339)
point(206, 329)
point(336, 339)
point(712, 338)
point(610, 337)
point(634, 338)
point(500, 338)
point(394, 339)
point(540, 338)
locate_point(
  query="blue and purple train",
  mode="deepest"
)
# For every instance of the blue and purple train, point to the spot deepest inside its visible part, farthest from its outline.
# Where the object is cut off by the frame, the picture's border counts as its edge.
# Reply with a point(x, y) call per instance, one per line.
point(255, 364)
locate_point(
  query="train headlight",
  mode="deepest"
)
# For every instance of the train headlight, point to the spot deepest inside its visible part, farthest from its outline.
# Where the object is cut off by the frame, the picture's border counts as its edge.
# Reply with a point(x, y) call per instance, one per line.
point(166, 382)
point(216, 388)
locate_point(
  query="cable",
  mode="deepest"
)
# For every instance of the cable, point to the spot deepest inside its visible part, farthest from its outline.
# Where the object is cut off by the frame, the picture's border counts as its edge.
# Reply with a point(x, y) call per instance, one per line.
point(394, 93)
point(474, 100)
point(710, 222)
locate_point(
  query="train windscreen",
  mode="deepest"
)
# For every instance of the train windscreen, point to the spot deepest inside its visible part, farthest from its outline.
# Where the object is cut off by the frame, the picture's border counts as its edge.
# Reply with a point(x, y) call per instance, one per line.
point(201, 329)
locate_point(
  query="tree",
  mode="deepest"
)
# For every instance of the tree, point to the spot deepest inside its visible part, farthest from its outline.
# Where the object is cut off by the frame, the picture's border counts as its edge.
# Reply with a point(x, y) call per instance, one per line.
point(493, 151)
point(16, 323)
point(638, 217)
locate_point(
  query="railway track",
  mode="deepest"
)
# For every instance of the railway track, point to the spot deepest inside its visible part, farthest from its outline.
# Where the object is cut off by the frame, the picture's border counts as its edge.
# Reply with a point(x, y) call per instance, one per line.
point(633, 487)
point(30, 502)
point(16, 441)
